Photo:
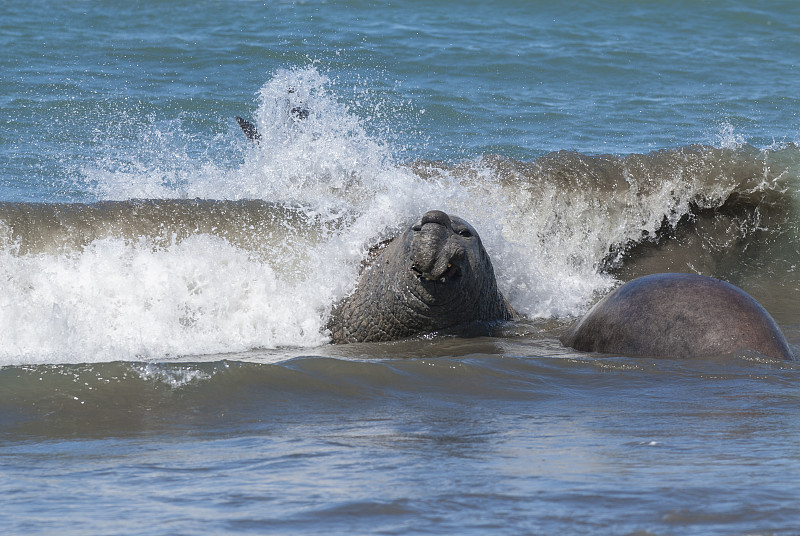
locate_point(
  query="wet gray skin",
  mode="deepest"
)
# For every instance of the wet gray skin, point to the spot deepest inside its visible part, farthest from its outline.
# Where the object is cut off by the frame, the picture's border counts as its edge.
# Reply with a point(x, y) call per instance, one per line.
point(678, 315)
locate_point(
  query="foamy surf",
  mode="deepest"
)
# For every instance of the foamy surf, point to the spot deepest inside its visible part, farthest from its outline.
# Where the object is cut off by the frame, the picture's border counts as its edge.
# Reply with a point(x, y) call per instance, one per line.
point(132, 301)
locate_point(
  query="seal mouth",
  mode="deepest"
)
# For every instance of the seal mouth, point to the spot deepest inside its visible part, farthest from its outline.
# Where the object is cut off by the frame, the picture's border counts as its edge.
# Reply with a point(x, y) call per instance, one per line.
point(452, 273)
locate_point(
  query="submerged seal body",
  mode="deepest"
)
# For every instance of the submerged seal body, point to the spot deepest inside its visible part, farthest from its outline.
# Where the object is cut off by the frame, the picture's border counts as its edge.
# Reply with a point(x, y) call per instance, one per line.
point(434, 276)
point(677, 315)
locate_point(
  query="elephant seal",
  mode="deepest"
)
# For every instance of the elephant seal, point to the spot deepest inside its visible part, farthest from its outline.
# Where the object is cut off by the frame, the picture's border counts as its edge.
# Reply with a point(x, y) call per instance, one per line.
point(677, 315)
point(434, 276)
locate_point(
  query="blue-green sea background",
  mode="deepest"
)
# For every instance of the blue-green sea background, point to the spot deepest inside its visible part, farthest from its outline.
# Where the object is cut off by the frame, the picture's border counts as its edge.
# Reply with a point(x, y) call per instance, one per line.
point(443, 81)
point(165, 282)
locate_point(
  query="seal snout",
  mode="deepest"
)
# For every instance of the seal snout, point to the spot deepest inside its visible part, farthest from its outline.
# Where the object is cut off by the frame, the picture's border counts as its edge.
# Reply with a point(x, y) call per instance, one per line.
point(435, 256)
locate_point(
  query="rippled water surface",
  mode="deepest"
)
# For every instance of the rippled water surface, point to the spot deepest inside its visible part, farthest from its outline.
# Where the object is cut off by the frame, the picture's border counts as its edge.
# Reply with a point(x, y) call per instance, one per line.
point(485, 441)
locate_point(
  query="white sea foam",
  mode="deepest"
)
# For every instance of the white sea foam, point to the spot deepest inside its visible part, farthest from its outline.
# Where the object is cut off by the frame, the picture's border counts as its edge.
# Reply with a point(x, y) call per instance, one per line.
point(117, 300)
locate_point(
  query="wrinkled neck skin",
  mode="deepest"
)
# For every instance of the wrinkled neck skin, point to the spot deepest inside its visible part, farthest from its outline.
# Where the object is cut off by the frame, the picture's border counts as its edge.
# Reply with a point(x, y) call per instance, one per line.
point(435, 276)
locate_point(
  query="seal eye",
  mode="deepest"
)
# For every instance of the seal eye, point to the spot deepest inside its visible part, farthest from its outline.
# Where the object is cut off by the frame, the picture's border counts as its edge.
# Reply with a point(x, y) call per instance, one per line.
point(465, 233)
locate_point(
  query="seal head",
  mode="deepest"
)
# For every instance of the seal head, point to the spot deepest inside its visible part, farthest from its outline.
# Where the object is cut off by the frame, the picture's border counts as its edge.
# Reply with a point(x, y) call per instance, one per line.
point(434, 276)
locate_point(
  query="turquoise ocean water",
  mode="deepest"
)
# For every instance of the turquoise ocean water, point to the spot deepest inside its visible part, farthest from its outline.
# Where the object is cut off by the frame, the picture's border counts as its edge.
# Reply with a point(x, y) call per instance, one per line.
point(165, 282)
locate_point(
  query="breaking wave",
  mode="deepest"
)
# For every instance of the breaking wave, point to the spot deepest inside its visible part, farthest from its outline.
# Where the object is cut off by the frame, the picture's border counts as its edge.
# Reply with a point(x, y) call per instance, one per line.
point(182, 255)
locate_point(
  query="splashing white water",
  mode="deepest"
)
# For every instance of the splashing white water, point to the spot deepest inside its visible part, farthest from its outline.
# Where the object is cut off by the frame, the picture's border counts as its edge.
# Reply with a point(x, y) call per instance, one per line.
point(121, 301)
